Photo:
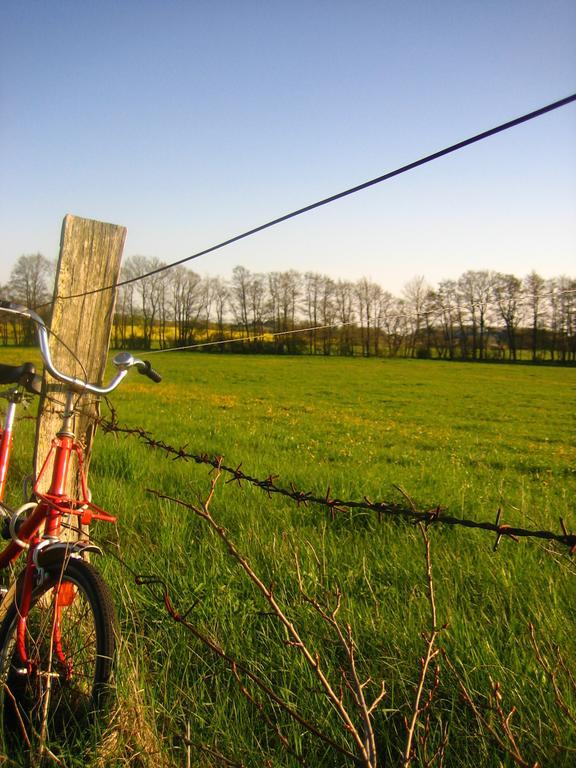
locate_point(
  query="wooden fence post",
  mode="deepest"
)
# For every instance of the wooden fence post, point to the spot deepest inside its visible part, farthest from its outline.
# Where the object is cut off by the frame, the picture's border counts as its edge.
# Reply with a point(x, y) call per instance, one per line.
point(90, 256)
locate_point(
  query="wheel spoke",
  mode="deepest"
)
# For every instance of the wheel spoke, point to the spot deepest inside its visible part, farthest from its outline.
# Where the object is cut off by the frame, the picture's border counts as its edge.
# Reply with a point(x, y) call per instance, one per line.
point(70, 666)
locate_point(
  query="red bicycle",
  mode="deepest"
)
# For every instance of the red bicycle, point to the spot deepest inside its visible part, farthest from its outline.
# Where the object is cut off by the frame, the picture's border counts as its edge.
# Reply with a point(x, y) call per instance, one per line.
point(57, 620)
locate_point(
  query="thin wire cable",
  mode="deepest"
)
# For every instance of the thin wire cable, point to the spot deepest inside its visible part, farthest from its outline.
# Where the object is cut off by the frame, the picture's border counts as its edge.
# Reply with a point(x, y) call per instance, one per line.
point(252, 337)
point(275, 334)
point(338, 196)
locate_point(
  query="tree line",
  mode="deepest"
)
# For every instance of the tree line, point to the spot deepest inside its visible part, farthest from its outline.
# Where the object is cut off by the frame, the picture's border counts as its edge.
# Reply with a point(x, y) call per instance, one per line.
point(481, 315)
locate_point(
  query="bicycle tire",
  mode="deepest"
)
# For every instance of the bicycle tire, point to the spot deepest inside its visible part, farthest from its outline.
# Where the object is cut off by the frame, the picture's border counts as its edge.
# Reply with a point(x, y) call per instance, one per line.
point(67, 687)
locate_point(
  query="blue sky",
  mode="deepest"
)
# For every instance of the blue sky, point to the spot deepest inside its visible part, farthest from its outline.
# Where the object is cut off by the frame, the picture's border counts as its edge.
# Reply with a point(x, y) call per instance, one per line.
point(189, 122)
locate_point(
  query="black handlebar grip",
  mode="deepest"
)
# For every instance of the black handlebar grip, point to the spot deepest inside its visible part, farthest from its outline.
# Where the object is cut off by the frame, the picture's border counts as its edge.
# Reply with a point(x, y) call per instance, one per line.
point(30, 381)
point(150, 372)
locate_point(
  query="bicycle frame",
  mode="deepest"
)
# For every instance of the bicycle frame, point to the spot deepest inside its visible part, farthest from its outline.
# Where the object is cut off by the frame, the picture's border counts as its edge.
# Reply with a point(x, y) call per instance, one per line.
point(14, 397)
point(38, 533)
point(42, 528)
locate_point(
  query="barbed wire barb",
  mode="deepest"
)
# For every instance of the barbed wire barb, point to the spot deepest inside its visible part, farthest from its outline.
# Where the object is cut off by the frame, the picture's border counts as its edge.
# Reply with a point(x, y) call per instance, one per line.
point(334, 505)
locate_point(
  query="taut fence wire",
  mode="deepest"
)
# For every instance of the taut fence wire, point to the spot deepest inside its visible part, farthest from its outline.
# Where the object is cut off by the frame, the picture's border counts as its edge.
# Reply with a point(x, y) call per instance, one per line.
point(334, 505)
point(339, 195)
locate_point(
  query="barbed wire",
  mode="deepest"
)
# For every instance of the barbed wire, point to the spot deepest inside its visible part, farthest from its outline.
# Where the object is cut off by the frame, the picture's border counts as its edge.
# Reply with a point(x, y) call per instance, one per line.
point(270, 487)
point(268, 699)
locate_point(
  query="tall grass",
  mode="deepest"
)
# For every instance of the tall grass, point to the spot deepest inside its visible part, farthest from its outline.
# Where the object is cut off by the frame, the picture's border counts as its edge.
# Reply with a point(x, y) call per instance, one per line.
point(471, 438)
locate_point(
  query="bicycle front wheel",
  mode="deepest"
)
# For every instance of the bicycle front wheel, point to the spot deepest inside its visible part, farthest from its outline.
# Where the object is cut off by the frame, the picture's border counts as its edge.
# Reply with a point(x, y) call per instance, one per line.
point(69, 641)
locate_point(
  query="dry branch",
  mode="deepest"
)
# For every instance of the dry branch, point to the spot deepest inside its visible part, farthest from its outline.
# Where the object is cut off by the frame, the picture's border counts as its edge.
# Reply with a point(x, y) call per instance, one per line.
point(431, 653)
point(501, 730)
point(554, 670)
point(363, 736)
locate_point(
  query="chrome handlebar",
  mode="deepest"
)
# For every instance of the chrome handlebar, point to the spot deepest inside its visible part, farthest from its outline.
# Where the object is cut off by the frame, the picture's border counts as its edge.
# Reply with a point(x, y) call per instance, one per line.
point(123, 360)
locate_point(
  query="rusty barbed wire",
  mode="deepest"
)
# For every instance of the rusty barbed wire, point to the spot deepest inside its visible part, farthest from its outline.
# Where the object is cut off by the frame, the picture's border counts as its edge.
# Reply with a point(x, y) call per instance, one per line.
point(269, 486)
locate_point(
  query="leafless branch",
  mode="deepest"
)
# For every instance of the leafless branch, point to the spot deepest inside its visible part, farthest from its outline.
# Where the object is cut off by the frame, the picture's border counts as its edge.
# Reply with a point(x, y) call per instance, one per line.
point(552, 672)
point(501, 731)
point(237, 667)
point(431, 653)
point(365, 741)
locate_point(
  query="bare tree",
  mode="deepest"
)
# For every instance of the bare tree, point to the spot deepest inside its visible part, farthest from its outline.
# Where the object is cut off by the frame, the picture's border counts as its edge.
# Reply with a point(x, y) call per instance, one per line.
point(5, 318)
point(164, 315)
point(416, 294)
point(30, 284)
point(312, 292)
point(447, 318)
point(368, 295)
point(248, 301)
point(328, 315)
point(568, 302)
point(382, 299)
point(285, 291)
point(257, 303)
point(124, 318)
point(221, 297)
point(562, 300)
point(394, 323)
point(148, 291)
point(476, 290)
point(30, 280)
point(209, 294)
point(187, 301)
point(533, 288)
point(508, 295)
point(344, 303)
point(239, 299)
point(291, 286)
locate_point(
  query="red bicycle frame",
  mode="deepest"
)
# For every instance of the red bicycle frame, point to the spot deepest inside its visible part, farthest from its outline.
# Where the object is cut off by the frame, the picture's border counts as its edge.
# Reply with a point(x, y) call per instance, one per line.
point(6, 439)
point(39, 531)
point(52, 505)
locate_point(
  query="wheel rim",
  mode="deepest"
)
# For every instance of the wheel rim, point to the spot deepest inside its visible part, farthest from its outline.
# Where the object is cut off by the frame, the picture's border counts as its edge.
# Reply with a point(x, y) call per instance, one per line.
point(58, 689)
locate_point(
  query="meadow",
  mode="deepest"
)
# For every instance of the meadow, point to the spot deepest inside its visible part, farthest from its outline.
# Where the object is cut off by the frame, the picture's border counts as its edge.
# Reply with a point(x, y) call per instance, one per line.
point(470, 438)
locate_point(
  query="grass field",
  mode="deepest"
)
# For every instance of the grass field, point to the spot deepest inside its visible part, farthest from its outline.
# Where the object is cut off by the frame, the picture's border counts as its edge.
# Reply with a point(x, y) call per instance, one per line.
point(471, 438)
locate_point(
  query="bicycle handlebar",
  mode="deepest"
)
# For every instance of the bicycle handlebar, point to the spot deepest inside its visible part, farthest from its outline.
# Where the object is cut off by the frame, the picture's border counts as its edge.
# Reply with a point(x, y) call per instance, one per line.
point(123, 361)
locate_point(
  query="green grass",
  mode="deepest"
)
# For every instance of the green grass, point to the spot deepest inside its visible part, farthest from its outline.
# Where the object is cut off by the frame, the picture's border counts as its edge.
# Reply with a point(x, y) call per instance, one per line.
point(472, 438)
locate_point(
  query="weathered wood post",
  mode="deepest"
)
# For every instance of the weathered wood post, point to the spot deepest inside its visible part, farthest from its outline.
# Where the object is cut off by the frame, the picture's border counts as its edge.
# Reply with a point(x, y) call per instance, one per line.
point(90, 256)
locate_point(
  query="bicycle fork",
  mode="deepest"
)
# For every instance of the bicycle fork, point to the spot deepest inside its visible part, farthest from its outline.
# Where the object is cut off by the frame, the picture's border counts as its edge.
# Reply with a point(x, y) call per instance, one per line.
point(62, 595)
